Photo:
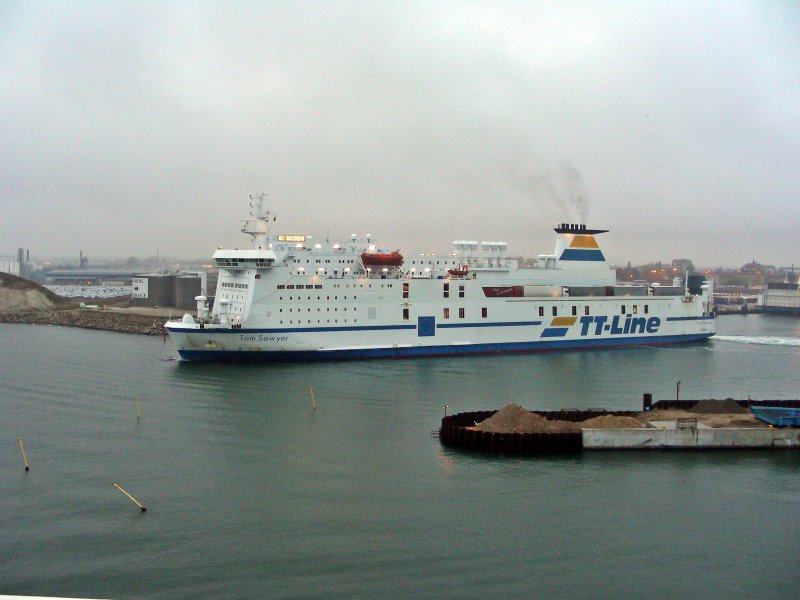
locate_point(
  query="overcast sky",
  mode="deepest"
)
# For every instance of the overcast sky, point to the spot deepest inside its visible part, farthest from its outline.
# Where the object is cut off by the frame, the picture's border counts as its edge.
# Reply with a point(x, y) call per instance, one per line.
point(130, 127)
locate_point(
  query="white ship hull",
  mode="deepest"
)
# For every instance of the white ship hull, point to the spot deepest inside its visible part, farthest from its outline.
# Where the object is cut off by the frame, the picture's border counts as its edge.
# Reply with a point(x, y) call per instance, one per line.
point(287, 300)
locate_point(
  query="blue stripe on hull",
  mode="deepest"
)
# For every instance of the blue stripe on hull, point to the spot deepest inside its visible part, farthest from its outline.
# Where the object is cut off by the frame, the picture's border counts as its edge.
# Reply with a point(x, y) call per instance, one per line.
point(424, 351)
point(489, 324)
point(702, 318)
point(283, 330)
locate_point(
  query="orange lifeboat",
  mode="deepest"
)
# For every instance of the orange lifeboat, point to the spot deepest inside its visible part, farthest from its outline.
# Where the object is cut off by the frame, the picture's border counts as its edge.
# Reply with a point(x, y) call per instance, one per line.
point(382, 259)
point(459, 271)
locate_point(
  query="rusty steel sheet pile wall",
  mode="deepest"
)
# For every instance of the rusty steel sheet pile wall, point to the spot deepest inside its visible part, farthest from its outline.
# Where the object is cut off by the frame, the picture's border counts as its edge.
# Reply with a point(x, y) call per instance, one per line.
point(454, 432)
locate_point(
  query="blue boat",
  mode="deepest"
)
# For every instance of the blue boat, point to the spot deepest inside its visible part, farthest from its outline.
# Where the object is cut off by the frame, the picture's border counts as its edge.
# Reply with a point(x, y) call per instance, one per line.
point(777, 415)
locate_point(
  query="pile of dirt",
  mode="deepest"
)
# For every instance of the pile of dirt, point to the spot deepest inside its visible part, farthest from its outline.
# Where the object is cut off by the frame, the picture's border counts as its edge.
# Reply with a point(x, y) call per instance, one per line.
point(718, 407)
point(611, 422)
point(19, 295)
point(515, 419)
point(563, 426)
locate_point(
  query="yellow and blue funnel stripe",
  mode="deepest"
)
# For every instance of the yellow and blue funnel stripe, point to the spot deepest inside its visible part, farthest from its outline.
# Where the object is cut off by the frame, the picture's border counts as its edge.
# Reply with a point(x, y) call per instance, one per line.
point(582, 247)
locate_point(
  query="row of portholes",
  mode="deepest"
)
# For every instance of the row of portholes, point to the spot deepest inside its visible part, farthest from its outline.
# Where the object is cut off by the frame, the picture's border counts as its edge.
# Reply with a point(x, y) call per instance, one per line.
point(319, 309)
point(360, 285)
point(318, 321)
point(318, 298)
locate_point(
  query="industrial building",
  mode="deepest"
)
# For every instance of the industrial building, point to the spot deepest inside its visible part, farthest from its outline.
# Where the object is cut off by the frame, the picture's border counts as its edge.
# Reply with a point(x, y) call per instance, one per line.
point(19, 265)
point(174, 290)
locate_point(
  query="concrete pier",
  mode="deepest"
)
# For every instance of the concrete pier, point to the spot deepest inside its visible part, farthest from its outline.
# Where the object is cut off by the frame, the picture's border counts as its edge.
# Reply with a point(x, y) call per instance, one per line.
point(667, 435)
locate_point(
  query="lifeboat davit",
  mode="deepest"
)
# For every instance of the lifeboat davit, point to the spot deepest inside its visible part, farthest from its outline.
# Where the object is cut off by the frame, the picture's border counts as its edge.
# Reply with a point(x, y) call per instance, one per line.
point(459, 271)
point(382, 259)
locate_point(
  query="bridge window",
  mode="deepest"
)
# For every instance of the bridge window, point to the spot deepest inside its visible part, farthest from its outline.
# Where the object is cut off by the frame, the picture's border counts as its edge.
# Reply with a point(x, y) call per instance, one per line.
point(586, 309)
point(446, 313)
point(555, 311)
point(405, 314)
point(484, 312)
point(461, 291)
point(541, 311)
point(623, 309)
point(461, 313)
point(446, 293)
point(574, 310)
point(635, 309)
point(405, 290)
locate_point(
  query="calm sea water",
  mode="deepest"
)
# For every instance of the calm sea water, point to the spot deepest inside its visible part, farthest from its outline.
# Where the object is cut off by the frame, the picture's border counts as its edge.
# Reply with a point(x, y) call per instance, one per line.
point(251, 493)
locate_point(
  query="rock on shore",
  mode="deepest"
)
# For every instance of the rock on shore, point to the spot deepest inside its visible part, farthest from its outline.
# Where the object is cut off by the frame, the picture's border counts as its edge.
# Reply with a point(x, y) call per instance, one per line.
point(90, 319)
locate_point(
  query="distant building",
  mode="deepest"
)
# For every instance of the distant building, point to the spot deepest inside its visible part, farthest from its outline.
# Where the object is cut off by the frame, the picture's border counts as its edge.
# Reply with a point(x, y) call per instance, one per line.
point(754, 268)
point(19, 265)
point(9, 264)
point(173, 290)
point(681, 265)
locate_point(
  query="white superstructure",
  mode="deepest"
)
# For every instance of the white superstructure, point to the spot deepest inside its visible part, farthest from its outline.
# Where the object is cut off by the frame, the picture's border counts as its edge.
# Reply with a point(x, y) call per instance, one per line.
point(290, 297)
point(780, 298)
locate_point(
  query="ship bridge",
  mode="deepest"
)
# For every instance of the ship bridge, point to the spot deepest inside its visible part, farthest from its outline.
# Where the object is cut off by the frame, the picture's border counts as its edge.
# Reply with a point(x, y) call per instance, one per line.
point(244, 259)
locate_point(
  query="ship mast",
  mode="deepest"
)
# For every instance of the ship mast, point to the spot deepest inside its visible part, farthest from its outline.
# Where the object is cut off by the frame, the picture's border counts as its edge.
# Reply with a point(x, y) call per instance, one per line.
point(258, 223)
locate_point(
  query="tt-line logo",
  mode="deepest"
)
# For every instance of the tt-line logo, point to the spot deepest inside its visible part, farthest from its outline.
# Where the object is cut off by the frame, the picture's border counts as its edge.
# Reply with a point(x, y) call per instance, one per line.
point(601, 324)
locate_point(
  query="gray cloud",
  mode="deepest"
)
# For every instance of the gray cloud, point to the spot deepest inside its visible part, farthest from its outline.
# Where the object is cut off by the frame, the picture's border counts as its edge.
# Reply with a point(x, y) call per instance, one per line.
point(130, 127)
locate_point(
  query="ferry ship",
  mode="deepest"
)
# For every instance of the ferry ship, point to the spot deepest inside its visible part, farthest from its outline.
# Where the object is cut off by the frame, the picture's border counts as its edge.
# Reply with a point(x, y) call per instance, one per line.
point(780, 298)
point(289, 297)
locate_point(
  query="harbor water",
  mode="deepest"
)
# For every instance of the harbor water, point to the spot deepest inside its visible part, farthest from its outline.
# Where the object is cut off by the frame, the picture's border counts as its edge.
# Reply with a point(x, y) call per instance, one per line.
point(251, 492)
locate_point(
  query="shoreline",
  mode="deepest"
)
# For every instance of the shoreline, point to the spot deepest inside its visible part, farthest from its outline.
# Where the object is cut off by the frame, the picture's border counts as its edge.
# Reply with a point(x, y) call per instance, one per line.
point(102, 320)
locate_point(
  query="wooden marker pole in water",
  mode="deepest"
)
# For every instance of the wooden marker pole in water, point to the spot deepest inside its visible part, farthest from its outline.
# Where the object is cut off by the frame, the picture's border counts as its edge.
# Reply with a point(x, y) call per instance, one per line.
point(22, 449)
point(311, 393)
point(132, 499)
point(138, 412)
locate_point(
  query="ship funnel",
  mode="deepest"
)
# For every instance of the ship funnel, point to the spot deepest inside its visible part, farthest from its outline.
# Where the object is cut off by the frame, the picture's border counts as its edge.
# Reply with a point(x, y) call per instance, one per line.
point(202, 308)
point(224, 306)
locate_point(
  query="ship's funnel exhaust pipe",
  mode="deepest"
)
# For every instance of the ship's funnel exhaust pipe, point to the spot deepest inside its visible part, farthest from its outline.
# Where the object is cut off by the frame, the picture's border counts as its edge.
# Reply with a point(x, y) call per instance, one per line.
point(202, 308)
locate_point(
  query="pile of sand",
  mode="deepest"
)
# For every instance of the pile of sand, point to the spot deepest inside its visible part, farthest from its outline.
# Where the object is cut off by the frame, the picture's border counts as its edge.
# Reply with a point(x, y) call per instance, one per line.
point(515, 419)
point(611, 422)
point(21, 295)
point(718, 407)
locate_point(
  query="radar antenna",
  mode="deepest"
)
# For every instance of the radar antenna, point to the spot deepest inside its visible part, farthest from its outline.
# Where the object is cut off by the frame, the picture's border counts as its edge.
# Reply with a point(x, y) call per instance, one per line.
point(257, 203)
point(258, 225)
